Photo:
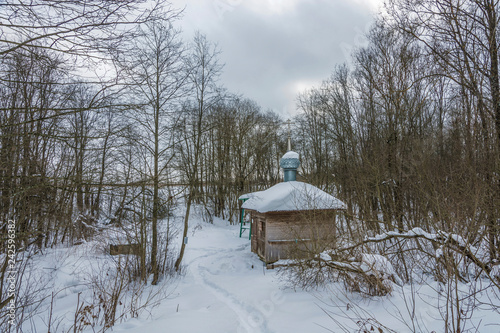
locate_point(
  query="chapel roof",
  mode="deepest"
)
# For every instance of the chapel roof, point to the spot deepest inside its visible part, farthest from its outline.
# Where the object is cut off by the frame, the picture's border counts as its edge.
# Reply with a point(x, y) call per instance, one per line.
point(290, 196)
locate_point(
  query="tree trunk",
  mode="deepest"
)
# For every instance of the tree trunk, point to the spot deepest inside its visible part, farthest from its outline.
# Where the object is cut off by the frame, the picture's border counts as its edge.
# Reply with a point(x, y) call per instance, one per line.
point(184, 234)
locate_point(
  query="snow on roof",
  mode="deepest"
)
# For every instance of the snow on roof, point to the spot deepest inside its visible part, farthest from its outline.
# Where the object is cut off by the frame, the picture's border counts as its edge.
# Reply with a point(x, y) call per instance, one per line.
point(248, 195)
point(291, 196)
point(291, 154)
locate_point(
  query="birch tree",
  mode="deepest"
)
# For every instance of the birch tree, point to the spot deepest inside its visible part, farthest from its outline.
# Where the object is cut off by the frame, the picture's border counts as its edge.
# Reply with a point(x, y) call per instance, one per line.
point(156, 72)
point(204, 70)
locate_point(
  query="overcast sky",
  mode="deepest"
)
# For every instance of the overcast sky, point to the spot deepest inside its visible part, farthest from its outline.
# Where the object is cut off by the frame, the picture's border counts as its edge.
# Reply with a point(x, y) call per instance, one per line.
point(273, 49)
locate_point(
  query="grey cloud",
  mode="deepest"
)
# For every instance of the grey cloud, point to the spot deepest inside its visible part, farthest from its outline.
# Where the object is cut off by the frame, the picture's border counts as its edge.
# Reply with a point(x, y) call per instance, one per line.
point(267, 53)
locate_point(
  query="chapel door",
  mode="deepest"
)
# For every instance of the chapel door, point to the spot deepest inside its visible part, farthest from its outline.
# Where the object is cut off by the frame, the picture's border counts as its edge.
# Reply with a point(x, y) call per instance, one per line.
point(261, 238)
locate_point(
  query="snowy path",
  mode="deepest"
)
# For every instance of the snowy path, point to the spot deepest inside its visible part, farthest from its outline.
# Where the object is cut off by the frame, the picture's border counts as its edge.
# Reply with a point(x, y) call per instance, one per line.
point(217, 257)
point(224, 288)
point(204, 274)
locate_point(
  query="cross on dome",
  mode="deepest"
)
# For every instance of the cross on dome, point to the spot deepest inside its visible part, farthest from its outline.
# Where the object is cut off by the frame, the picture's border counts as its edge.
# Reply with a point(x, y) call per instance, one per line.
point(289, 123)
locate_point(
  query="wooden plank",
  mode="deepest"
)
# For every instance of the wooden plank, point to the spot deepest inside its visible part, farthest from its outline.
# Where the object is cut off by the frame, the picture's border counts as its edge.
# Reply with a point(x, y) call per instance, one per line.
point(116, 249)
point(282, 235)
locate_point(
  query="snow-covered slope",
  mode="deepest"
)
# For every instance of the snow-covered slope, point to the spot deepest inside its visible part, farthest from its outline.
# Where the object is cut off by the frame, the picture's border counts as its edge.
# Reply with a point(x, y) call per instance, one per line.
point(225, 288)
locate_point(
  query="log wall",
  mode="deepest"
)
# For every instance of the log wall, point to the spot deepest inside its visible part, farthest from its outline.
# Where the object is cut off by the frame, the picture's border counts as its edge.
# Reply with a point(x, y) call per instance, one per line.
point(288, 235)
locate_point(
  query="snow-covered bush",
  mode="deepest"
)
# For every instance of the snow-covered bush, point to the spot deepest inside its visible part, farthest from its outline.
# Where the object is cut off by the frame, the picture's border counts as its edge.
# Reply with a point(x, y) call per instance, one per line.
point(372, 265)
point(372, 275)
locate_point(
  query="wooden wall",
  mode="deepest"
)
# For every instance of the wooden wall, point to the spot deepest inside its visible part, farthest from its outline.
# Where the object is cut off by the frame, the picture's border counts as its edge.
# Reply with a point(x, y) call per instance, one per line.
point(287, 235)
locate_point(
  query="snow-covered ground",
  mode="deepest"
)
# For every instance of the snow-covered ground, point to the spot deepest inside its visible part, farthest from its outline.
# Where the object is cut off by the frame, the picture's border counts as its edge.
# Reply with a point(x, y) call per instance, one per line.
point(225, 288)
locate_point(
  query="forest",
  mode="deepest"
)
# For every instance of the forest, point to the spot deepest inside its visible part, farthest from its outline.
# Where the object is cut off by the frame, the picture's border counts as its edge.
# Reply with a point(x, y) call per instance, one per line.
point(110, 120)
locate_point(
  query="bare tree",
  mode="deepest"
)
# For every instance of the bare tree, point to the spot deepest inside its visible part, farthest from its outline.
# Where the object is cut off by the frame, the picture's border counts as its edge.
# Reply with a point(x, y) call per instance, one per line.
point(157, 75)
point(241, 145)
point(462, 38)
point(72, 27)
point(204, 70)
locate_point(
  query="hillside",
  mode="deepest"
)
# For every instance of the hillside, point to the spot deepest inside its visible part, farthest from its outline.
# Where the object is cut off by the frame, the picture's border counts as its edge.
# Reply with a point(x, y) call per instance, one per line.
point(224, 288)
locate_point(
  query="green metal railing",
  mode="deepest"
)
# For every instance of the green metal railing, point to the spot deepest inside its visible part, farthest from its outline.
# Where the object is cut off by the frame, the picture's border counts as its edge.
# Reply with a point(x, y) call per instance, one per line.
point(244, 225)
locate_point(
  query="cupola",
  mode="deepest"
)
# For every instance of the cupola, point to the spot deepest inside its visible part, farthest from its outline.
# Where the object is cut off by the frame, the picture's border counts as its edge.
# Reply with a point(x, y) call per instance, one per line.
point(290, 163)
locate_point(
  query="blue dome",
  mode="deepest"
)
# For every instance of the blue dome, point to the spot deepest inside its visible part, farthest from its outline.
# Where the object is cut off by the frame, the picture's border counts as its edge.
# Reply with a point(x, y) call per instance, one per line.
point(290, 162)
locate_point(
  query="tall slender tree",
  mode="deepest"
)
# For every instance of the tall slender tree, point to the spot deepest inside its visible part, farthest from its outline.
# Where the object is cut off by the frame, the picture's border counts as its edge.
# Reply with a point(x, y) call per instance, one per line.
point(155, 69)
point(204, 70)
